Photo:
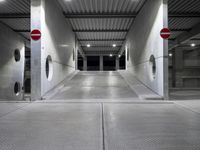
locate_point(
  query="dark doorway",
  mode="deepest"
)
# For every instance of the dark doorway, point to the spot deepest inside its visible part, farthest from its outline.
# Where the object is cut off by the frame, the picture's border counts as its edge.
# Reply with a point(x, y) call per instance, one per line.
point(80, 63)
point(109, 63)
point(122, 62)
point(93, 63)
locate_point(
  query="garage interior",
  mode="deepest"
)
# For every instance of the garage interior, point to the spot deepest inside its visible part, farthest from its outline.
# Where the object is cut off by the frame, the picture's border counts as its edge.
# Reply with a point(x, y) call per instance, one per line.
point(100, 77)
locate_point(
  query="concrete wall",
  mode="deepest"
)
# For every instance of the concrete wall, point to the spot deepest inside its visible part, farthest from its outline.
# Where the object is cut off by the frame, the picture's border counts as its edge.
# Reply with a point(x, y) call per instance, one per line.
point(184, 68)
point(10, 70)
point(144, 40)
point(58, 41)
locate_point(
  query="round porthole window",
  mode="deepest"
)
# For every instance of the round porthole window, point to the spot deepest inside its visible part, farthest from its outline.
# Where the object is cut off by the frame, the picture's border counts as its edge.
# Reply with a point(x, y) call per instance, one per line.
point(17, 55)
point(152, 63)
point(49, 68)
point(17, 88)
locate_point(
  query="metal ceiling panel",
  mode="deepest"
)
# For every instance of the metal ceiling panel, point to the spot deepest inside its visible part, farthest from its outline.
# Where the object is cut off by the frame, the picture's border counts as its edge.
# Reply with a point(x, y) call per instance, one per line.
point(17, 24)
point(183, 23)
point(102, 23)
point(184, 6)
point(101, 6)
point(101, 35)
point(15, 7)
point(102, 43)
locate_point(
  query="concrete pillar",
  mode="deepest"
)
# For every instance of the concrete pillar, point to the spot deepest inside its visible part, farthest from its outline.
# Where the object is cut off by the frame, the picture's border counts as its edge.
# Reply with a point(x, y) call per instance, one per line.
point(117, 63)
point(85, 64)
point(101, 63)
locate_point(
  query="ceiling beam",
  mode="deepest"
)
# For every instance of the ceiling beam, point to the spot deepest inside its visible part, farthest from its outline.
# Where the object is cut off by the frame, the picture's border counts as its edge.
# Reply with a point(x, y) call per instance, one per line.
point(22, 31)
point(100, 15)
point(101, 40)
point(105, 30)
point(101, 47)
point(15, 16)
point(186, 36)
point(180, 30)
point(184, 15)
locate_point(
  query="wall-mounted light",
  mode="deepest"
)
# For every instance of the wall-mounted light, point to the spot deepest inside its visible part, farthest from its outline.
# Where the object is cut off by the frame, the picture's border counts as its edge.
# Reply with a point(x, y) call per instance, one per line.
point(114, 45)
point(111, 55)
point(88, 45)
point(193, 45)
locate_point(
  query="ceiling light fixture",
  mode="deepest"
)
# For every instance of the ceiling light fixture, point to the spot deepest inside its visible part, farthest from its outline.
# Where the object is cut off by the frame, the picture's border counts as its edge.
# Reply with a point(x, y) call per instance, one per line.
point(170, 54)
point(88, 45)
point(119, 56)
point(193, 45)
point(111, 55)
point(114, 45)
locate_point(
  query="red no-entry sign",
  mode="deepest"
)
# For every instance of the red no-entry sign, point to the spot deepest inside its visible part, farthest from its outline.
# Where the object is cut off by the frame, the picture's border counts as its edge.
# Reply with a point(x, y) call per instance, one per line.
point(165, 33)
point(35, 35)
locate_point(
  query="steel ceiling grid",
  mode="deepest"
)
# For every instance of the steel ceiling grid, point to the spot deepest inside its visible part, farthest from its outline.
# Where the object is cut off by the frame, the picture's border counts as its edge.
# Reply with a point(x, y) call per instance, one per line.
point(101, 6)
point(183, 23)
point(15, 7)
point(101, 24)
point(101, 35)
point(184, 6)
point(101, 48)
point(17, 24)
point(102, 43)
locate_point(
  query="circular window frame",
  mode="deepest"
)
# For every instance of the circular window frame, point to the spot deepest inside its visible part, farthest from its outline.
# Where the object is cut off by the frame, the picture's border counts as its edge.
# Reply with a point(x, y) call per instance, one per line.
point(17, 88)
point(17, 55)
point(49, 68)
point(152, 67)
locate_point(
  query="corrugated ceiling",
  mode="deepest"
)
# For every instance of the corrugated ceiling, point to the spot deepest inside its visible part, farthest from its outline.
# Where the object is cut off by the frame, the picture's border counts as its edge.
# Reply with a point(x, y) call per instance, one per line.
point(184, 15)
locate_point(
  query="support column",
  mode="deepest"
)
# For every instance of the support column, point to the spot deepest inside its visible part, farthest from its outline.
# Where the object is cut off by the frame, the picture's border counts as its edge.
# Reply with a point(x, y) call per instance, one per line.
point(85, 64)
point(101, 63)
point(117, 63)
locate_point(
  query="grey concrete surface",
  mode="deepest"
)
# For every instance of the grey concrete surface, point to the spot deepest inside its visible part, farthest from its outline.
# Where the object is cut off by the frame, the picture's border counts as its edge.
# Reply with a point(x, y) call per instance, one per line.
point(151, 127)
point(144, 41)
point(11, 71)
point(57, 41)
point(52, 127)
point(101, 126)
point(184, 94)
point(95, 85)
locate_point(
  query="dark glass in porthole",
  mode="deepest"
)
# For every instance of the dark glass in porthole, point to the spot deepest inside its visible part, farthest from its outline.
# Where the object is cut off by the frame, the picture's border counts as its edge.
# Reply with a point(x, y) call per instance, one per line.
point(17, 55)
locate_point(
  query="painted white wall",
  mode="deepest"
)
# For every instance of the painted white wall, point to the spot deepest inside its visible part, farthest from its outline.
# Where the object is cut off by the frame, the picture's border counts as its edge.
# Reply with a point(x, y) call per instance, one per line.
point(58, 41)
point(144, 40)
point(10, 70)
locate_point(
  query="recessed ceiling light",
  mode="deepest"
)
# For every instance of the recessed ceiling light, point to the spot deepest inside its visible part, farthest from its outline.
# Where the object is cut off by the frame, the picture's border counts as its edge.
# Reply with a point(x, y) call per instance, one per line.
point(111, 55)
point(193, 45)
point(114, 45)
point(88, 45)
point(170, 54)
point(119, 56)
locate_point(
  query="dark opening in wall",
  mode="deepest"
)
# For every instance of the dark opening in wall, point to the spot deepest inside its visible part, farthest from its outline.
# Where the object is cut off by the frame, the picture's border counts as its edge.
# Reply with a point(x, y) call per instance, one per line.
point(49, 68)
point(152, 62)
point(109, 63)
point(17, 88)
point(17, 55)
point(93, 63)
point(122, 62)
point(80, 63)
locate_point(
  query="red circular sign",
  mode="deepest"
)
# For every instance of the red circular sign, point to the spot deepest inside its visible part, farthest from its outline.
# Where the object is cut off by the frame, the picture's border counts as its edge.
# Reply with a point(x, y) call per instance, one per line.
point(165, 33)
point(35, 35)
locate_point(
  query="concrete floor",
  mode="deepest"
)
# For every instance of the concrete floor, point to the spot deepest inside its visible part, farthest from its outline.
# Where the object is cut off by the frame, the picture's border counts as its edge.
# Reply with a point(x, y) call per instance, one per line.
point(95, 85)
point(100, 125)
